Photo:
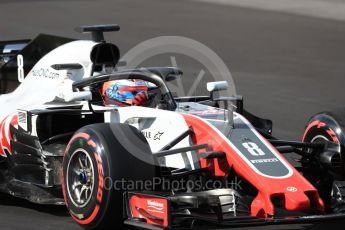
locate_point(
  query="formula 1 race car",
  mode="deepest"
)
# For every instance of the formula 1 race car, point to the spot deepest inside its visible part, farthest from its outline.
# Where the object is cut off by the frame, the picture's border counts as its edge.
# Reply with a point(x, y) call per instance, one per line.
point(165, 163)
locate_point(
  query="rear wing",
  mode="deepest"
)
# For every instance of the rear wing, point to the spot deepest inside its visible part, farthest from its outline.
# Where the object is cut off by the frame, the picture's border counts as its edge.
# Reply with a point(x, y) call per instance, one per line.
point(31, 52)
point(9, 49)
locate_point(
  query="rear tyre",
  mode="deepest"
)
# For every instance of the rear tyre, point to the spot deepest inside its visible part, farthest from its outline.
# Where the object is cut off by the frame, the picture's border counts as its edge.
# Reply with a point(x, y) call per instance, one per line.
point(97, 159)
point(321, 128)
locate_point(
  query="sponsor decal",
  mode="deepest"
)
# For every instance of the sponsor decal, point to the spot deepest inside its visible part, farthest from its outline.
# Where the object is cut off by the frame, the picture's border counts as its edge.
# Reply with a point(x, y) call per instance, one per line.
point(100, 178)
point(291, 189)
point(333, 135)
point(155, 137)
point(153, 209)
point(45, 73)
point(158, 136)
point(268, 160)
point(155, 206)
point(147, 134)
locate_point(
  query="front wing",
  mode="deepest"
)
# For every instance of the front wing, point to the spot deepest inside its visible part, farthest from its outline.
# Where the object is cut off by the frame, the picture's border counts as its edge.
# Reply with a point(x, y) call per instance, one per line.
point(161, 211)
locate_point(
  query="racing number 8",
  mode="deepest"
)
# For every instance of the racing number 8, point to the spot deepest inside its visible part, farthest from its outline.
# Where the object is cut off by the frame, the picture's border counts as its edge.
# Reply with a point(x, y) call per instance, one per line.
point(20, 64)
point(253, 149)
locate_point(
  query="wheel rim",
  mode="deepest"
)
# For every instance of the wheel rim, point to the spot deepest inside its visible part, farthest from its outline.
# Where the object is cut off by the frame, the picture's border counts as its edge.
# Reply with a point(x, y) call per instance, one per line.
point(80, 178)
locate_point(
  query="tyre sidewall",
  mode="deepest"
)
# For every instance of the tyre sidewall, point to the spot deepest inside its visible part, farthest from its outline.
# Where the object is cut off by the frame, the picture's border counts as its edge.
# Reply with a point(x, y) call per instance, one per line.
point(324, 125)
point(92, 213)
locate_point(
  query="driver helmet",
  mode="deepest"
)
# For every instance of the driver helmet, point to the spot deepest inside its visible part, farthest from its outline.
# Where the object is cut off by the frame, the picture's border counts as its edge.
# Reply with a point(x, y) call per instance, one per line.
point(125, 93)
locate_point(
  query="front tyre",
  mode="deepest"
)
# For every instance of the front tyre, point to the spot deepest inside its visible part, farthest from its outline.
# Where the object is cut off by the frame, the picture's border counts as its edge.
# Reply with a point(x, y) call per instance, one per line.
point(97, 157)
point(322, 128)
point(328, 127)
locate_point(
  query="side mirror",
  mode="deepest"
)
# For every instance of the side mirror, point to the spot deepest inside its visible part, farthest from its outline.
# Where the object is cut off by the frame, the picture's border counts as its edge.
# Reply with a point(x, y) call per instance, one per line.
point(78, 96)
point(217, 86)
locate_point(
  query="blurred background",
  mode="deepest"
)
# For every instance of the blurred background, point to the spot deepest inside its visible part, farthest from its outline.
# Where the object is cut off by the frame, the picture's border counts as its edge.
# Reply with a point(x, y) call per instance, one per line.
point(287, 57)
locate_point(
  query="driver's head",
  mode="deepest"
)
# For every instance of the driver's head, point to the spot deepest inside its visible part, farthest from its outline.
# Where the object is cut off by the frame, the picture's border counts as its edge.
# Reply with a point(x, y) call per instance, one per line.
point(125, 93)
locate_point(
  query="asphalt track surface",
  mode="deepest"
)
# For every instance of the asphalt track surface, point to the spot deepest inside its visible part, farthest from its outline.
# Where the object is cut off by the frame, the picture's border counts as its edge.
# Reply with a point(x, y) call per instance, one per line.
point(288, 67)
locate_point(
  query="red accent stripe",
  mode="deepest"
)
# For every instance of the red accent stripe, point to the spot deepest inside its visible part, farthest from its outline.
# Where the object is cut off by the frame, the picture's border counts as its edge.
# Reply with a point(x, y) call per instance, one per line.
point(333, 135)
point(78, 135)
point(138, 98)
point(143, 96)
point(133, 88)
point(314, 123)
point(89, 219)
point(4, 133)
point(92, 143)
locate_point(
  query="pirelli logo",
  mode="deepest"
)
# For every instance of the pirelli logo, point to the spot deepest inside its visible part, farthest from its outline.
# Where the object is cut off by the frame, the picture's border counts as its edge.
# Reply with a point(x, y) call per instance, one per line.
point(268, 160)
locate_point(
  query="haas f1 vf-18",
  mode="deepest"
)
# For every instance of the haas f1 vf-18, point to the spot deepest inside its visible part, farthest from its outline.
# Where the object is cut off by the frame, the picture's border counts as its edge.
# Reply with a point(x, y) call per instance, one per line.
point(118, 149)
